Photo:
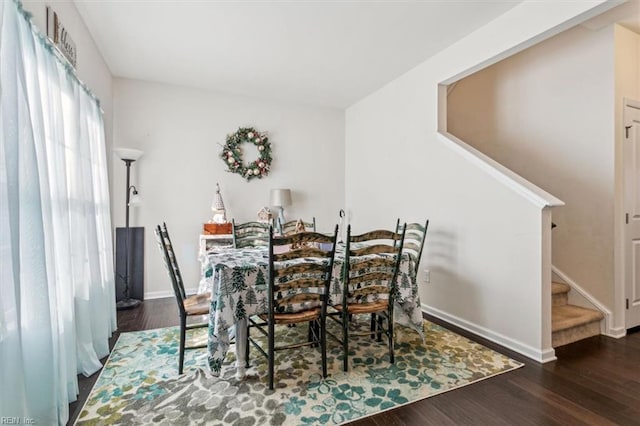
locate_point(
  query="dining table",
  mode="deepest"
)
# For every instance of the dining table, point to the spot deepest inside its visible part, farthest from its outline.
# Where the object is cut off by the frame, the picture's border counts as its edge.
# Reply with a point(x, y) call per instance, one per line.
point(238, 282)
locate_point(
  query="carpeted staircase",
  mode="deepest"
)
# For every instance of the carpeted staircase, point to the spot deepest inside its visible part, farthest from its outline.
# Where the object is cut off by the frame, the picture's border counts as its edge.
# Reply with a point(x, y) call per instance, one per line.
point(570, 323)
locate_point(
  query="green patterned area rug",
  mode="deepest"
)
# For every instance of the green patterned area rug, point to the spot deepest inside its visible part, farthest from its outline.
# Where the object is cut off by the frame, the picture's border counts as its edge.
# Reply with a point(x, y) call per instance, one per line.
point(139, 384)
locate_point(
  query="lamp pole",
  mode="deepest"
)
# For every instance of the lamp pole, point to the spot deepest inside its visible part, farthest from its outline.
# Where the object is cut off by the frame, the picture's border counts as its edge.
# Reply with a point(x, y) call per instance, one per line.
point(128, 165)
point(127, 302)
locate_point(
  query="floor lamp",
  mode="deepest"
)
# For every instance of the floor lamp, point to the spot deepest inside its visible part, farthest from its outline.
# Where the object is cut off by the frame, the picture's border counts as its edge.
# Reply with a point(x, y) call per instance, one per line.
point(128, 155)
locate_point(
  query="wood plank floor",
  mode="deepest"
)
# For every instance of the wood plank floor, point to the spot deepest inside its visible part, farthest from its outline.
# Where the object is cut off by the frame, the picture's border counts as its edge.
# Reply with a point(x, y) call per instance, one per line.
point(593, 382)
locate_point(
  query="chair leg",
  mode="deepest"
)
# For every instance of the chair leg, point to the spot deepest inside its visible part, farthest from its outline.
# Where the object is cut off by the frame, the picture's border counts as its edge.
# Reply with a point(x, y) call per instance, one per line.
point(183, 331)
point(271, 352)
point(380, 329)
point(248, 344)
point(373, 326)
point(345, 341)
point(390, 331)
point(314, 333)
point(323, 345)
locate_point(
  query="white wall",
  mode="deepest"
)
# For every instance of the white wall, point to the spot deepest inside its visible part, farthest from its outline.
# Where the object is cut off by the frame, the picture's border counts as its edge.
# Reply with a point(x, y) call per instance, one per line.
point(181, 132)
point(486, 239)
point(90, 68)
point(547, 114)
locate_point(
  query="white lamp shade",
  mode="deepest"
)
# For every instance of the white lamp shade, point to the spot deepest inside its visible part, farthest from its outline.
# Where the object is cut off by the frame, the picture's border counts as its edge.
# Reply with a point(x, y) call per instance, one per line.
point(281, 197)
point(128, 153)
point(135, 200)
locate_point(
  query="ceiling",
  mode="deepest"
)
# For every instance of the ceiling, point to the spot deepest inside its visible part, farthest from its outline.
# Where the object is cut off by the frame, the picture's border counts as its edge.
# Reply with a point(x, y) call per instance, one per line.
point(328, 53)
point(315, 52)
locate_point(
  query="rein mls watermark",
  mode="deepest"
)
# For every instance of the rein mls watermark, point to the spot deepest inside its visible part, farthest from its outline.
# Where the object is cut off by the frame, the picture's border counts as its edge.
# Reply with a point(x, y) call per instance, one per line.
point(6, 420)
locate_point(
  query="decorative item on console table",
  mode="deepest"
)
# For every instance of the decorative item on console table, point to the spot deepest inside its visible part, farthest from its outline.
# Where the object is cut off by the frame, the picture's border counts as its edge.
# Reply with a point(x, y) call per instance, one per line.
point(218, 225)
point(218, 233)
point(217, 207)
point(217, 229)
point(265, 215)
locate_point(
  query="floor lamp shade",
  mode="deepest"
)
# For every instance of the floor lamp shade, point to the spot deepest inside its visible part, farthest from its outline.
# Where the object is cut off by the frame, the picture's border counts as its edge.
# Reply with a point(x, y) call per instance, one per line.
point(128, 153)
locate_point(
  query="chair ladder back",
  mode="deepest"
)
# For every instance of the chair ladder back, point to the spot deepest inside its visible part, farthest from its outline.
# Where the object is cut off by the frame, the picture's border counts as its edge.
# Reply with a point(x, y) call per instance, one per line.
point(174, 260)
point(290, 226)
point(163, 243)
point(379, 234)
point(299, 279)
point(398, 259)
point(414, 241)
point(365, 276)
point(250, 234)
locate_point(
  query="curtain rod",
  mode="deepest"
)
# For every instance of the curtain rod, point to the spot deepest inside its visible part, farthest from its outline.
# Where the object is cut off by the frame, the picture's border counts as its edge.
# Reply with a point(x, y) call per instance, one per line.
point(48, 44)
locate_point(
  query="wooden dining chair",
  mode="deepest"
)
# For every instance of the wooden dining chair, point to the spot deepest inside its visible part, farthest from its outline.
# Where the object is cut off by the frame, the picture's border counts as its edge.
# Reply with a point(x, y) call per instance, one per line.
point(188, 306)
point(250, 234)
point(414, 239)
point(298, 292)
point(369, 276)
point(290, 227)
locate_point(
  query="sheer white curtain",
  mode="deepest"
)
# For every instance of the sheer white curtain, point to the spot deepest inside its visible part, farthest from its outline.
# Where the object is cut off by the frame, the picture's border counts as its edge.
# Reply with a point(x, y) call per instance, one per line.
point(57, 301)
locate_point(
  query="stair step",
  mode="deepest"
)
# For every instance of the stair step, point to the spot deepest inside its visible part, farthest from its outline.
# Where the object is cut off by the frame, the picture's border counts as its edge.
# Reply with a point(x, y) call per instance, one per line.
point(559, 288)
point(559, 294)
point(572, 323)
point(568, 316)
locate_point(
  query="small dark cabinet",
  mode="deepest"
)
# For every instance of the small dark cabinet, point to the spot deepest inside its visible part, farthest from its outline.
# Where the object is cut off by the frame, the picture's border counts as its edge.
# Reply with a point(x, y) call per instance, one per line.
point(136, 262)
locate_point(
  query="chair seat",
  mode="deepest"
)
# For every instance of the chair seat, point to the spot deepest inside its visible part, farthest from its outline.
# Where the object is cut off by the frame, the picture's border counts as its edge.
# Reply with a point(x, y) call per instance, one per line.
point(198, 304)
point(365, 308)
point(294, 317)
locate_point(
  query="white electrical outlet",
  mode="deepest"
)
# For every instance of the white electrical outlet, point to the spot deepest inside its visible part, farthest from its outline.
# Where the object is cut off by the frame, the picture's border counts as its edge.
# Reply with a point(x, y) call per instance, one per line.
point(427, 276)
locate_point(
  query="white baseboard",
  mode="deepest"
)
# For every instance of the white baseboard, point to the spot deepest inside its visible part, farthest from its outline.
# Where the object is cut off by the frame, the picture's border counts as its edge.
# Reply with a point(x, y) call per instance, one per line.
point(167, 293)
point(616, 333)
point(158, 294)
point(608, 329)
point(535, 354)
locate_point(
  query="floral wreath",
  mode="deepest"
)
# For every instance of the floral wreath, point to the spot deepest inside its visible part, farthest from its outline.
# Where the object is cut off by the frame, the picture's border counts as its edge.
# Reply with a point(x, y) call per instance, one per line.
point(232, 153)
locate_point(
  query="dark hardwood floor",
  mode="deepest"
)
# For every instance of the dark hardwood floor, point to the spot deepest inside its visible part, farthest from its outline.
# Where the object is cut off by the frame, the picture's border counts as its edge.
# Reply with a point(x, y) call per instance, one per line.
point(593, 382)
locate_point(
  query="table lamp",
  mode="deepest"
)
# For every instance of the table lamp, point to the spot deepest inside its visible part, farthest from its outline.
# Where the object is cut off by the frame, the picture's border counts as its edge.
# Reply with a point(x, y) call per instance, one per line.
point(280, 198)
